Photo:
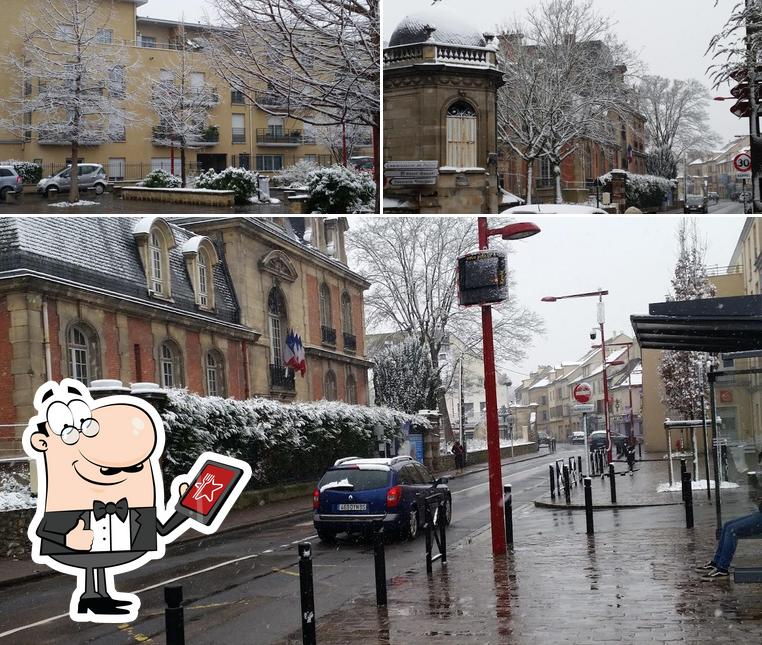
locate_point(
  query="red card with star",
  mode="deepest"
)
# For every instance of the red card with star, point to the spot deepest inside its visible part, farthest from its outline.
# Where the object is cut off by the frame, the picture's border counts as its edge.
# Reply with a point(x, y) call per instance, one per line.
point(209, 490)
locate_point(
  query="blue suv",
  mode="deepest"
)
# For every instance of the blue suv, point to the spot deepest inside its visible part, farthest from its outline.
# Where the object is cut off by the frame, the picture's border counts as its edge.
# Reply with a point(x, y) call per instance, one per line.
point(354, 493)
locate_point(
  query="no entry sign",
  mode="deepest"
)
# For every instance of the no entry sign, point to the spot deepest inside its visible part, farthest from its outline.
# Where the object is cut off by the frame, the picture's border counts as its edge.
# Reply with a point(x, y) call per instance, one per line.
point(742, 162)
point(582, 392)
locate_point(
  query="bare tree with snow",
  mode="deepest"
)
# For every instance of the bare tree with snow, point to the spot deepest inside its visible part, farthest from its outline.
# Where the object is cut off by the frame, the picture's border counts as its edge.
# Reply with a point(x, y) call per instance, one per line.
point(71, 79)
point(340, 140)
point(677, 120)
point(682, 389)
point(317, 61)
point(182, 99)
point(580, 78)
point(411, 263)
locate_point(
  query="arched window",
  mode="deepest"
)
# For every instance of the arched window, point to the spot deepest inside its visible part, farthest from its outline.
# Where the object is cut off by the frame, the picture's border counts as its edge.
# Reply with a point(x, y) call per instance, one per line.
point(351, 387)
point(204, 279)
point(330, 392)
point(346, 313)
point(215, 373)
point(278, 319)
point(82, 352)
point(170, 365)
point(461, 135)
point(158, 263)
point(325, 306)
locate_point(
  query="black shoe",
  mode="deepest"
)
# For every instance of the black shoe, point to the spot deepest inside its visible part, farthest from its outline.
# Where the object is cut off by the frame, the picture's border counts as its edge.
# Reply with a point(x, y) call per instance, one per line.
point(107, 606)
point(706, 568)
point(716, 574)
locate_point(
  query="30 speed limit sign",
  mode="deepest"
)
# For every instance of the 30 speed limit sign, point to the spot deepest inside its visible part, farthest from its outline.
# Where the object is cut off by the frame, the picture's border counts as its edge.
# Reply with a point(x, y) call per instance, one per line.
point(742, 162)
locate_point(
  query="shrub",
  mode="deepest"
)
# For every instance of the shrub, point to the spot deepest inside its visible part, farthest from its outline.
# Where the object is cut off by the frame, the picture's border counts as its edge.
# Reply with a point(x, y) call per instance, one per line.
point(241, 181)
point(642, 191)
point(282, 442)
point(161, 179)
point(296, 175)
point(336, 189)
point(30, 172)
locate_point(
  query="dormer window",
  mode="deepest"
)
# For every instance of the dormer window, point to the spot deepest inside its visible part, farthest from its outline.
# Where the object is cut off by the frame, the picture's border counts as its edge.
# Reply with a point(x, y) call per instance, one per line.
point(155, 240)
point(158, 251)
point(200, 259)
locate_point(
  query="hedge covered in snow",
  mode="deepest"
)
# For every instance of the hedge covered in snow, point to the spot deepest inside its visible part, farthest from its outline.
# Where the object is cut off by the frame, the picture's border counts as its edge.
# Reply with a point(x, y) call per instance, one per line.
point(161, 179)
point(282, 442)
point(336, 189)
point(241, 181)
point(30, 172)
point(641, 191)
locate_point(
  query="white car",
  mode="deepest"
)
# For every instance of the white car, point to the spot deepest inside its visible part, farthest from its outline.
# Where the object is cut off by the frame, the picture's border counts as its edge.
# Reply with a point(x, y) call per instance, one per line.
point(578, 437)
point(554, 209)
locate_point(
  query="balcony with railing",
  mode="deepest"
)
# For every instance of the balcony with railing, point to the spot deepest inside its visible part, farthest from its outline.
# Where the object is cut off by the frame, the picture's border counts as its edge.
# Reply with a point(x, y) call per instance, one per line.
point(239, 135)
point(282, 378)
point(270, 137)
point(350, 342)
point(53, 137)
point(328, 335)
point(436, 54)
point(163, 136)
point(267, 98)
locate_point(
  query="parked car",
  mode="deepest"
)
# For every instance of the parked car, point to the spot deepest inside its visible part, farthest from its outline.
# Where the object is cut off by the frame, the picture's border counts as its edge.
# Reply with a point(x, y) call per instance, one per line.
point(597, 440)
point(578, 437)
point(354, 493)
point(696, 204)
point(11, 182)
point(92, 176)
point(543, 439)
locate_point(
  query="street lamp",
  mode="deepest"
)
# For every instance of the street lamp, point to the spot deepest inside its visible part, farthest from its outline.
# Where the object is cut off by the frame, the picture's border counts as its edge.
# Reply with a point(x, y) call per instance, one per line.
point(601, 320)
point(517, 231)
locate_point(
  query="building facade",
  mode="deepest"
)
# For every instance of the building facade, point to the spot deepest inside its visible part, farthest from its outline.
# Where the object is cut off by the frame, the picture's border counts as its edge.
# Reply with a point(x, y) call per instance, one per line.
point(440, 83)
point(237, 133)
point(205, 305)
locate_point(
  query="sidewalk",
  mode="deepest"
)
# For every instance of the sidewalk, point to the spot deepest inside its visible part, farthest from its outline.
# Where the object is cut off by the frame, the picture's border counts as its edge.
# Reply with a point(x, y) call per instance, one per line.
point(18, 571)
point(631, 582)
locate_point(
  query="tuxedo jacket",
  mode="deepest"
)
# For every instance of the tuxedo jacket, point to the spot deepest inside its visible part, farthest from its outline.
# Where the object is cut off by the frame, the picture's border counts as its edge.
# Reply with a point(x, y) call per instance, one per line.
point(144, 527)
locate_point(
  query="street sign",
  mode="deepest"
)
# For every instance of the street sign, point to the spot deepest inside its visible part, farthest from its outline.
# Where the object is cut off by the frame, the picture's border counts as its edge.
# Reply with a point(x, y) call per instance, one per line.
point(582, 392)
point(409, 181)
point(742, 162)
point(580, 408)
point(406, 165)
point(417, 172)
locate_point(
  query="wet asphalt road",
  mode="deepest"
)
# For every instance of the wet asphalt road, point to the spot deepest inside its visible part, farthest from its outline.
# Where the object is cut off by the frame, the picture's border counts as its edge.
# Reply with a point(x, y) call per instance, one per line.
point(243, 586)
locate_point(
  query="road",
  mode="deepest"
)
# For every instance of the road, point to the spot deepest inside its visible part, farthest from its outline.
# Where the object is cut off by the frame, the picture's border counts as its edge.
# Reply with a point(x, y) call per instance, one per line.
point(726, 207)
point(243, 586)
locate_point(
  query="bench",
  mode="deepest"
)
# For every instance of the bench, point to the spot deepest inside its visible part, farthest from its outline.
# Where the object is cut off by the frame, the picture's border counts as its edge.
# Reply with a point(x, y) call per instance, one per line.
point(744, 575)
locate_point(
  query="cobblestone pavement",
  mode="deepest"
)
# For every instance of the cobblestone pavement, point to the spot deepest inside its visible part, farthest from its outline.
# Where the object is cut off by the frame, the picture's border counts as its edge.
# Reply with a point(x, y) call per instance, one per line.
point(632, 582)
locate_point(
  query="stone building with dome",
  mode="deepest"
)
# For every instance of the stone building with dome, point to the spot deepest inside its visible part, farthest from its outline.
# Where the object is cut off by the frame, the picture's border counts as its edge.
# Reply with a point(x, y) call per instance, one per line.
point(440, 83)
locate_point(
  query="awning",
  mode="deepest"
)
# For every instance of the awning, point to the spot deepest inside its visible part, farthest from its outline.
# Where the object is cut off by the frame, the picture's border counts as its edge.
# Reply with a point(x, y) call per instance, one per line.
point(713, 325)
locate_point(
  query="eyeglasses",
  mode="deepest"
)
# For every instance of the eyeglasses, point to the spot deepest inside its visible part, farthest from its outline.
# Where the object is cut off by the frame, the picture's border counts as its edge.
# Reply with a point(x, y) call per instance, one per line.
point(70, 420)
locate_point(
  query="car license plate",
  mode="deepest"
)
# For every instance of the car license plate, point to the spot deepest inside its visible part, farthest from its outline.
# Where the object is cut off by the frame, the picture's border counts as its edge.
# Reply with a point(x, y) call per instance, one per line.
point(353, 507)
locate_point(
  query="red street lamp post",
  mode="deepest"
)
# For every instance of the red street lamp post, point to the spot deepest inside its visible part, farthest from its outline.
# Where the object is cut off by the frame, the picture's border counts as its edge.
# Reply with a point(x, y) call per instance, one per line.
point(497, 513)
point(601, 319)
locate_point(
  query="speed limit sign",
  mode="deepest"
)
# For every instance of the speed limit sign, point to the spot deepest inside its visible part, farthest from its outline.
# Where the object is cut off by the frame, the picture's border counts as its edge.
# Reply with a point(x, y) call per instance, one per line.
point(742, 162)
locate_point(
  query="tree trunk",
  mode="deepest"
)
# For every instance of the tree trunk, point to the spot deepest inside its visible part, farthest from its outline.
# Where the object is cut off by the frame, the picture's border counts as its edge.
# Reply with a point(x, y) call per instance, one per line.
point(530, 178)
point(182, 166)
point(377, 164)
point(74, 174)
point(445, 423)
point(559, 192)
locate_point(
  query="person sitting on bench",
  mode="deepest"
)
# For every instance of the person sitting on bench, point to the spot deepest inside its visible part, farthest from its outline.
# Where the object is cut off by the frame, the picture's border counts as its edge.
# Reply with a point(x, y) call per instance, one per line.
point(746, 526)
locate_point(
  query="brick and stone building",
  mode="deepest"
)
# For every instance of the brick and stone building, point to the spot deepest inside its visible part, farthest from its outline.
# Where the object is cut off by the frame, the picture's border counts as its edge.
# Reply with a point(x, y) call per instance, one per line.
point(204, 304)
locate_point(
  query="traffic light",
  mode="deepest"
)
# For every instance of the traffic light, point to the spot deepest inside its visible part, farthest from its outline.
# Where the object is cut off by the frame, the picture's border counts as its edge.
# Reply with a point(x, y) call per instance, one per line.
point(742, 107)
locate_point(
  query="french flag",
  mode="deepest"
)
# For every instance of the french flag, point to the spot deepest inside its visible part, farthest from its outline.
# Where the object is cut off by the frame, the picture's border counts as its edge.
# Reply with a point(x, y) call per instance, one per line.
point(294, 353)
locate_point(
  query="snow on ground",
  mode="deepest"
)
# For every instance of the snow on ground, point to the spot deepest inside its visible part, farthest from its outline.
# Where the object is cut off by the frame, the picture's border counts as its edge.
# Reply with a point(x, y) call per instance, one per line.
point(13, 495)
point(81, 202)
point(697, 485)
point(474, 445)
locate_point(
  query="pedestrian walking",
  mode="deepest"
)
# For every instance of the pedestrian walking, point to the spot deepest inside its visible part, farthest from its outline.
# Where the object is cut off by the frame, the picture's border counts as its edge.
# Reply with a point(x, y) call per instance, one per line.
point(460, 455)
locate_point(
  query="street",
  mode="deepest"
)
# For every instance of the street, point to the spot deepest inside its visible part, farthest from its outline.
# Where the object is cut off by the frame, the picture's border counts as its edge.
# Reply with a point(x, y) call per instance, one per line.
point(726, 207)
point(246, 582)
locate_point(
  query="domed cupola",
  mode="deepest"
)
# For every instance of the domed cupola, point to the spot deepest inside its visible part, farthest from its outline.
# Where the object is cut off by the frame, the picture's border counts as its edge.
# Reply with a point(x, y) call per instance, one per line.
point(436, 26)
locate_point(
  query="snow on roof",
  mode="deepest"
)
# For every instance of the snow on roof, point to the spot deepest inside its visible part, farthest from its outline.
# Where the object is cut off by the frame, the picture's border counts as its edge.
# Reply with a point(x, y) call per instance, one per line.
point(510, 198)
point(391, 202)
point(436, 25)
point(541, 383)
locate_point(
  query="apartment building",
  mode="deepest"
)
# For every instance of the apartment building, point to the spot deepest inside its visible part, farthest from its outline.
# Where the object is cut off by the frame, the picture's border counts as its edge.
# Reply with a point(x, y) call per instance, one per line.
point(237, 132)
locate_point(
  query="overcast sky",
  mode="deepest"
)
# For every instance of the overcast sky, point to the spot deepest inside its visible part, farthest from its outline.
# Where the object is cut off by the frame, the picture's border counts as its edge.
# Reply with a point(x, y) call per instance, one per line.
point(633, 258)
point(670, 36)
point(193, 10)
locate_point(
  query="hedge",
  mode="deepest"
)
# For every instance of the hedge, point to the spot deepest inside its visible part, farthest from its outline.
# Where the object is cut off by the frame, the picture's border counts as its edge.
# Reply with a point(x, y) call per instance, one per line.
point(282, 442)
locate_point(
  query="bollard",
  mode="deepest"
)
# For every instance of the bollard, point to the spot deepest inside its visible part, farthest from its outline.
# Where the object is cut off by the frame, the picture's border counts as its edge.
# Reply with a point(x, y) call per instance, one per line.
point(442, 532)
point(579, 466)
point(683, 470)
point(567, 491)
point(552, 482)
point(173, 615)
point(612, 477)
point(379, 558)
point(427, 533)
point(688, 499)
point(307, 593)
point(589, 506)
point(508, 506)
point(640, 450)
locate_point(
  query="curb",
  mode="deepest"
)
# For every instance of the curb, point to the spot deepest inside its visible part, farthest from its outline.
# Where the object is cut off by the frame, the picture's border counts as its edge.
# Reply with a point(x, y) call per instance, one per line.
point(599, 507)
point(506, 462)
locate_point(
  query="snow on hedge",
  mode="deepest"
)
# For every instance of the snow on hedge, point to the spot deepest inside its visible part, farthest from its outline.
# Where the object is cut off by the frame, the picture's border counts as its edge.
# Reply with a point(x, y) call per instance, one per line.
point(336, 189)
point(241, 181)
point(13, 494)
point(642, 191)
point(282, 442)
point(30, 172)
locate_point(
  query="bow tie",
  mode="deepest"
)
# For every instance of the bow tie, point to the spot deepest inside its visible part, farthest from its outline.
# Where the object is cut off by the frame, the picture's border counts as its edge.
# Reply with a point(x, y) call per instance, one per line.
point(121, 509)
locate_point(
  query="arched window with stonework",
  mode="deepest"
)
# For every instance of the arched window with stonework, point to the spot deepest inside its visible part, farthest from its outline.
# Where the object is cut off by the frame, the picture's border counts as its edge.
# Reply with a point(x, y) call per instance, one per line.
point(83, 353)
point(461, 135)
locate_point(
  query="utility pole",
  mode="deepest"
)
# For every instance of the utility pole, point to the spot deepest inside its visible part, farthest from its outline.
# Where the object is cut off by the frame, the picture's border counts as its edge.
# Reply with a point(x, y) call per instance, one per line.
point(754, 106)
